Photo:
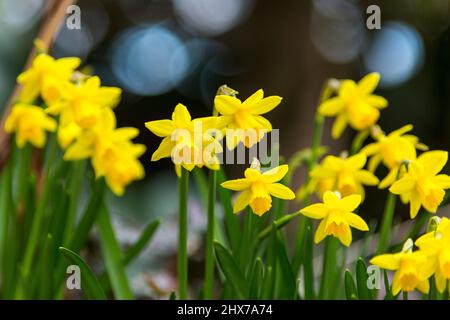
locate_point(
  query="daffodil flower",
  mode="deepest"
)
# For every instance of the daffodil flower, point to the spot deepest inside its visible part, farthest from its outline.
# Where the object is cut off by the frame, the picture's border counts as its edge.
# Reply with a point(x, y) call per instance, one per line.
point(112, 153)
point(392, 150)
point(436, 245)
point(189, 142)
point(258, 188)
point(355, 105)
point(345, 175)
point(336, 215)
point(46, 77)
point(83, 102)
point(422, 185)
point(30, 124)
point(412, 269)
point(243, 120)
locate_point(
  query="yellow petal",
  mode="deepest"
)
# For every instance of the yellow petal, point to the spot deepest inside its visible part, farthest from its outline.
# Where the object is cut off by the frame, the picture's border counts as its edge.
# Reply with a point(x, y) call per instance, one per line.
point(331, 107)
point(350, 203)
point(346, 236)
point(252, 174)
point(441, 281)
point(181, 116)
point(236, 185)
point(415, 204)
point(374, 162)
point(257, 96)
point(396, 285)
point(387, 261)
point(377, 101)
point(69, 63)
point(242, 201)
point(371, 148)
point(78, 151)
point(280, 191)
point(315, 211)
point(433, 161)
point(442, 180)
point(164, 150)
point(339, 126)
point(227, 105)
point(403, 185)
point(265, 105)
point(263, 123)
point(356, 221)
point(402, 130)
point(275, 174)
point(368, 84)
point(320, 232)
point(366, 178)
point(161, 128)
point(331, 199)
point(347, 88)
point(424, 286)
point(390, 179)
point(357, 161)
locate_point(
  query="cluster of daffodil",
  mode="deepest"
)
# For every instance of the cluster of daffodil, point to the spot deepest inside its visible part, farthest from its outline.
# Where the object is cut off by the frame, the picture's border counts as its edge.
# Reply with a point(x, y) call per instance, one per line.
point(338, 181)
point(86, 126)
point(254, 254)
point(40, 204)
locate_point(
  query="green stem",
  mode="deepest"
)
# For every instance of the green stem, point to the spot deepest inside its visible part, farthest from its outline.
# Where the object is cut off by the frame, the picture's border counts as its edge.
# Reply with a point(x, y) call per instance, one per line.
point(209, 254)
point(386, 223)
point(308, 267)
point(358, 141)
point(279, 223)
point(23, 174)
point(405, 295)
point(182, 234)
point(74, 188)
point(329, 267)
point(112, 255)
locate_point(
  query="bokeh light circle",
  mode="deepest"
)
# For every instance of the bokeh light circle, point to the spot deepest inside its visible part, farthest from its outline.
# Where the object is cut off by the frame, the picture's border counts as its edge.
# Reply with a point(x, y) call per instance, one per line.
point(149, 60)
point(397, 52)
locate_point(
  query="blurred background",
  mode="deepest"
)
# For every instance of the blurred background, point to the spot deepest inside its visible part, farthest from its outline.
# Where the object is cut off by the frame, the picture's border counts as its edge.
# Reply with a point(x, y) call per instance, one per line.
point(162, 52)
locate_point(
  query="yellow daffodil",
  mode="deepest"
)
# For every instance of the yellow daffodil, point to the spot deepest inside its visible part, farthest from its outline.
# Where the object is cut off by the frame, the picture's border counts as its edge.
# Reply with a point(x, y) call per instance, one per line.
point(243, 120)
point(337, 217)
point(393, 150)
point(30, 124)
point(345, 175)
point(355, 105)
point(421, 185)
point(412, 269)
point(46, 77)
point(258, 188)
point(189, 142)
point(112, 153)
point(436, 245)
point(81, 106)
point(85, 100)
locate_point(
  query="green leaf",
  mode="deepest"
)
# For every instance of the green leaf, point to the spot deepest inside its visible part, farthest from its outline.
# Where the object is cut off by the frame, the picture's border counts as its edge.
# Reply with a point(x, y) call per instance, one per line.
point(173, 296)
point(257, 278)
point(231, 270)
point(141, 243)
point(288, 280)
point(112, 256)
point(350, 287)
point(45, 286)
point(89, 283)
point(134, 251)
point(361, 278)
point(389, 295)
point(233, 229)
